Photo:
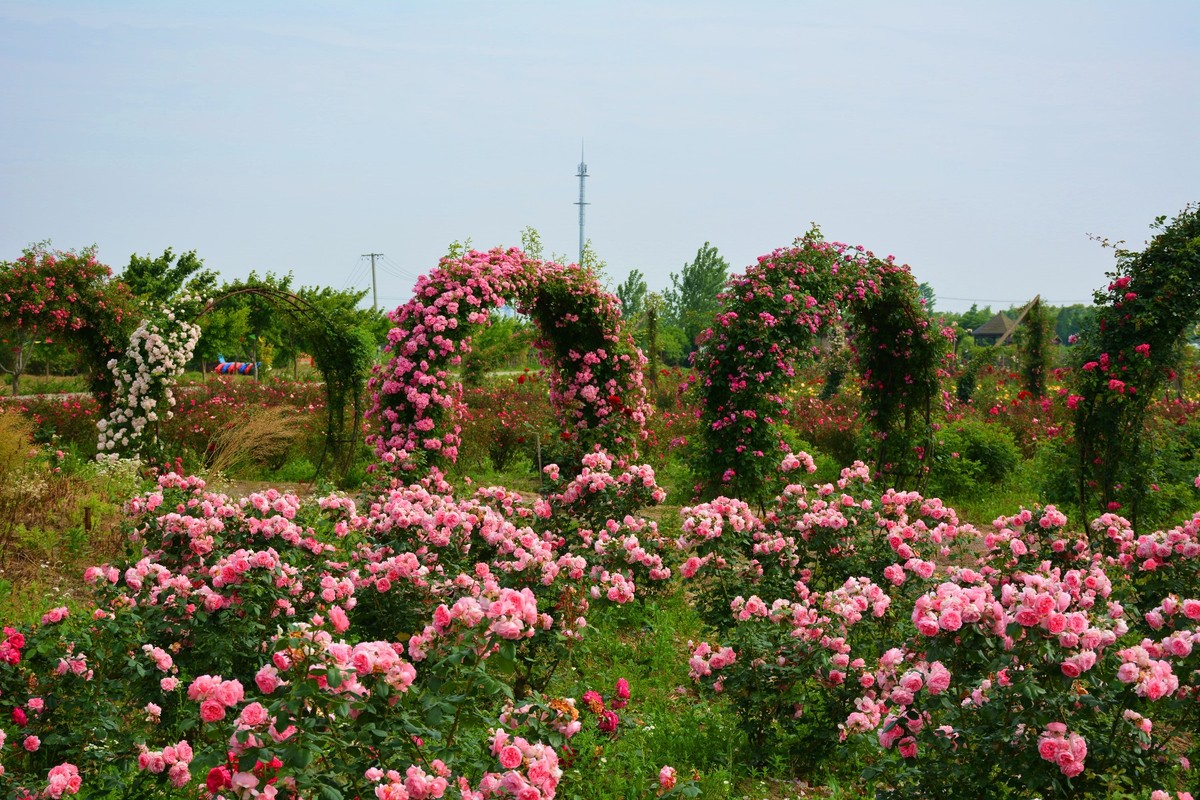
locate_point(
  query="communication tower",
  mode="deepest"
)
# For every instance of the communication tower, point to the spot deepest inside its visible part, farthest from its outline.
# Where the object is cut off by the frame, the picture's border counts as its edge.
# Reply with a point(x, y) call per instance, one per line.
point(582, 175)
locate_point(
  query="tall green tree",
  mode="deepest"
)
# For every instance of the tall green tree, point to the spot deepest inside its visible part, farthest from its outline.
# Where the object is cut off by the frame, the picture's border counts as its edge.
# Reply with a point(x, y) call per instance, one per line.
point(691, 301)
point(632, 294)
point(155, 280)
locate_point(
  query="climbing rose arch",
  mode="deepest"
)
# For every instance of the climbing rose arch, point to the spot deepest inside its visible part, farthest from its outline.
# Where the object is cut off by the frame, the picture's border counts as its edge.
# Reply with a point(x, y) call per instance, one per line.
point(771, 318)
point(595, 376)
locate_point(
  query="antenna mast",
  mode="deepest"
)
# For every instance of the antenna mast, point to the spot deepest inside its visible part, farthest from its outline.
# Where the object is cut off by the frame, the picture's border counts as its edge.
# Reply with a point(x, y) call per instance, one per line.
point(582, 175)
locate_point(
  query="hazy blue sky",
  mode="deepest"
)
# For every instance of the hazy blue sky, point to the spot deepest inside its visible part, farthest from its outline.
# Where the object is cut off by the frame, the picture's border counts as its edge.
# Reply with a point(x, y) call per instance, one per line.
point(980, 142)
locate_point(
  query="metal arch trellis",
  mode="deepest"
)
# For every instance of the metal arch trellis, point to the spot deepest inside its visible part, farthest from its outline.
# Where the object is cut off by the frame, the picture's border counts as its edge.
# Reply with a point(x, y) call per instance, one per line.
point(336, 439)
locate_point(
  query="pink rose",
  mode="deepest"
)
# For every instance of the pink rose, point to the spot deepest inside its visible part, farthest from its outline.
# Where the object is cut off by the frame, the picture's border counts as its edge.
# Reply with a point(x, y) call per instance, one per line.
point(211, 711)
point(511, 757)
point(254, 714)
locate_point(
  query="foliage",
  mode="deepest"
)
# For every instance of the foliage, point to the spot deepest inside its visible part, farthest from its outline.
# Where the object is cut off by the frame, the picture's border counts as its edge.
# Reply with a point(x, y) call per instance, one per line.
point(971, 457)
point(505, 343)
point(507, 418)
point(691, 301)
point(1033, 343)
point(928, 296)
point(154, 281)
point(1142, 319)
point(975, 316)
point(328, 325)
point(1073, 320)
point(632, 294)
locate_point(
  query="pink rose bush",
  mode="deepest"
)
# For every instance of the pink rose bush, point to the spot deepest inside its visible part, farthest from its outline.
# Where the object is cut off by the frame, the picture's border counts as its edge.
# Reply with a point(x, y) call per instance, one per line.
point(847, 605)
point(247, 638)
point(595, 375)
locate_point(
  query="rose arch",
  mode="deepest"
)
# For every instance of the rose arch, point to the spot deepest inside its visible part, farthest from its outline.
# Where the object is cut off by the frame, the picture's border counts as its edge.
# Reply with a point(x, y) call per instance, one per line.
point(771, 317)
point(595, 375)
point(1127, 356)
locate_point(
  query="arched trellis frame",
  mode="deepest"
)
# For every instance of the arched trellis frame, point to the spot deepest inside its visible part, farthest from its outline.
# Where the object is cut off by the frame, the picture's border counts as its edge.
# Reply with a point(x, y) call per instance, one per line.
point(596, 375)
point(771, 317)
point(339, 354)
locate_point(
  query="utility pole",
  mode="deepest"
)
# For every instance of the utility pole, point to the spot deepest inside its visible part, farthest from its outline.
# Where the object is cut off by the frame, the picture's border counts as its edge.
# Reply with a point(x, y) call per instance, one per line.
point(374, 288)
point(582, 175)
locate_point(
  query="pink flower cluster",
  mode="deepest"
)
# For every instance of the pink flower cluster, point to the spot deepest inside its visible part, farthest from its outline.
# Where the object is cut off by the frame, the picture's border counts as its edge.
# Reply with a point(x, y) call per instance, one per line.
point(415, 784)
point(538, 781)
point(1152, 678)
point(11, 646)
point(704, 660)
point(215, 695)
point(1151, 551)
point(63, 779)
point(1064, 749)
point(710, 520)
point(172, 759)
point(487, 611)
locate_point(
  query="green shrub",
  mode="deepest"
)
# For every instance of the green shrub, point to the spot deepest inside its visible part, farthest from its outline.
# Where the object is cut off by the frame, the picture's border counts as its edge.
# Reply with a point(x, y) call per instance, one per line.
point(970, 457)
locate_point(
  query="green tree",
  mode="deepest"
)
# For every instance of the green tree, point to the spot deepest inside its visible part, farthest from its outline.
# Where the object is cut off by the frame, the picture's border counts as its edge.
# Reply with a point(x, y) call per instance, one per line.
point(505, 343)
point(975, 316)
point(632, 294)
point(154, 281)
point(1072, 320)
point(691, 301)
point(927, 295)
point(531, 242)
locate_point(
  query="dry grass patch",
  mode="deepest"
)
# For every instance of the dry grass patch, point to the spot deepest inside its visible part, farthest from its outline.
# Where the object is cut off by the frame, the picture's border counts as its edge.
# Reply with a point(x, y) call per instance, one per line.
point(263, 437)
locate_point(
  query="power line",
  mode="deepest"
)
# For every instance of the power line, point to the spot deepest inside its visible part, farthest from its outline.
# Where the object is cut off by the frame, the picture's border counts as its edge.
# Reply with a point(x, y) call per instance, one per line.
point(1025, 300)
point(399, 271)
point(352, 274)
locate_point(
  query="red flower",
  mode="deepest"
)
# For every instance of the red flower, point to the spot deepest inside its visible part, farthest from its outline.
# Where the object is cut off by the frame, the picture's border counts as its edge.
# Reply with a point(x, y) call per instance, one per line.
point(218, 779)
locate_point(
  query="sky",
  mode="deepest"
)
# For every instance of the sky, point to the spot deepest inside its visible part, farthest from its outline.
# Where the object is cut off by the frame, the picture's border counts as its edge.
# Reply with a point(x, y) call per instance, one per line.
point(979, 142)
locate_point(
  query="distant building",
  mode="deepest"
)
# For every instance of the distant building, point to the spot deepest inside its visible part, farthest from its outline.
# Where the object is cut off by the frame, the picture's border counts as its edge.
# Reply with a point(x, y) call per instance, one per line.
point(999, 329)
point(996, 330)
